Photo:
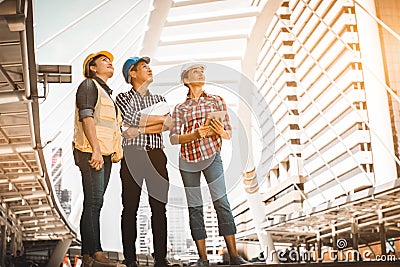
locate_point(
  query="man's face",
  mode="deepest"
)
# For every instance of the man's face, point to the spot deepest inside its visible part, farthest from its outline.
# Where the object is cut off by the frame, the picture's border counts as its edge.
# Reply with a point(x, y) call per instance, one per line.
point(103, 66)
point(142, 72)
point(195, 76)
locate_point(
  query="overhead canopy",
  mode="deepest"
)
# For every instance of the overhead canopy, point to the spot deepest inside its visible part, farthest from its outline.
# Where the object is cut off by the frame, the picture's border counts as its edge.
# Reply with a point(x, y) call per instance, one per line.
point(29, 207)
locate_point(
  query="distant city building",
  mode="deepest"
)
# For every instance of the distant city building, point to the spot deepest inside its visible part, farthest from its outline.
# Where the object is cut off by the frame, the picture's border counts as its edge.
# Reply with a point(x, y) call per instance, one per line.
point(214, 242)
point(144, 243)
point(177, 225)
point(181, 240)
point(179, 231)
point(64, 195)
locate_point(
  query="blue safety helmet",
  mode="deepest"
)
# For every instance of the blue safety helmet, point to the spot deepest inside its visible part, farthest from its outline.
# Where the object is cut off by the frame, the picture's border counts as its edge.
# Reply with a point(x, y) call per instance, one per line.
point(128, 65)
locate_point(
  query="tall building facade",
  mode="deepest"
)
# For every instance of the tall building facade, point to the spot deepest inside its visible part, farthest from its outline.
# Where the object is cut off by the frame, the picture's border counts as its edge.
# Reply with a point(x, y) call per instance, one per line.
point(327, 72)
point(312, 74)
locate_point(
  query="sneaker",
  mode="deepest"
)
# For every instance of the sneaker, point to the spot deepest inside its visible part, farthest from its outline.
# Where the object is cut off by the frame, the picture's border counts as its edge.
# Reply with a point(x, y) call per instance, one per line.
point(201, 262)
point(238, 261)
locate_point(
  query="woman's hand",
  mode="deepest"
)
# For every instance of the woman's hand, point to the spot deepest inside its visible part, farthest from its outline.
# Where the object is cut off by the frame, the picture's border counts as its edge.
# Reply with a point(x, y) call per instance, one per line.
point(217, 127)
point(96, 162)
point(202, 131)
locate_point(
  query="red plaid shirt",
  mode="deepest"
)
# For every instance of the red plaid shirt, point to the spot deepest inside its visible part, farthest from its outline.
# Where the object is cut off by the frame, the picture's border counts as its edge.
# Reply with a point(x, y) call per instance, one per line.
point(189, 116)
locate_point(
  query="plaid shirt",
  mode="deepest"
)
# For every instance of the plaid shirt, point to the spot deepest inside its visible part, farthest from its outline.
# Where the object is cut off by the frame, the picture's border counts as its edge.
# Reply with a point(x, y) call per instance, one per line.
point(189, 116)
point(131, 103)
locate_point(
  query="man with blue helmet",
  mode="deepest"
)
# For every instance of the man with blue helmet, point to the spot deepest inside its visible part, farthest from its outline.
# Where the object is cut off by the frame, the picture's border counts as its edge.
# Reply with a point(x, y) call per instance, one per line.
point(144, 159)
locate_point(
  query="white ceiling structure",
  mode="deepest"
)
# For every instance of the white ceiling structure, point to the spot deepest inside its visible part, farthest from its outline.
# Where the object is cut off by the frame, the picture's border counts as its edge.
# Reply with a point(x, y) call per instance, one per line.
point(29, 208)
point(200, 30)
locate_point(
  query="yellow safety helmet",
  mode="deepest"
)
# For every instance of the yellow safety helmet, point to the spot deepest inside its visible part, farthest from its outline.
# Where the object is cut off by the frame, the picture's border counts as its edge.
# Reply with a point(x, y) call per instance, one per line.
point(90, 57)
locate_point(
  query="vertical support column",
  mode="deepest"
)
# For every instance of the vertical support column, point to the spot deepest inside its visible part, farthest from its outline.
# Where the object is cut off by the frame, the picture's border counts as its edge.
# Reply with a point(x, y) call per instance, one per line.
point(258, 212)
point(376, 94)
point(248, 67)
point(13, 244)
point(59, 253)
point(334, 243)
point(307, 256)
point(354, 236)
point(20, 244)
point(382, 232)
point(319, 248)
point(382, 237)
point(3, 245)
point(157, 19)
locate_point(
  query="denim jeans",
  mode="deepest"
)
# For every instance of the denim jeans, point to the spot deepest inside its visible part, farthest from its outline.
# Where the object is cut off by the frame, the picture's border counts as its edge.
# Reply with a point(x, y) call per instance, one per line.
point(137, 166)
point(214, 175)
point(94, 185)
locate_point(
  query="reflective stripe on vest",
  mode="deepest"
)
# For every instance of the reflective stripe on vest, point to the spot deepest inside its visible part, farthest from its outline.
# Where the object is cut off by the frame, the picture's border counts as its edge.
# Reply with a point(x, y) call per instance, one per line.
point(106, 122)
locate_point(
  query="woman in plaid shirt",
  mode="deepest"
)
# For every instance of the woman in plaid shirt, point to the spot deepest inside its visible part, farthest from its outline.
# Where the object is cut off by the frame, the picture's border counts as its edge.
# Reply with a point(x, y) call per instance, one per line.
point(200, 152)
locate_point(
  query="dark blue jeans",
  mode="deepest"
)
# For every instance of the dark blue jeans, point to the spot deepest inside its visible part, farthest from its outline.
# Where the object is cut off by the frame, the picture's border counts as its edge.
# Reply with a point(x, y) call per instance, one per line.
point(214, 175)
point(94, 185)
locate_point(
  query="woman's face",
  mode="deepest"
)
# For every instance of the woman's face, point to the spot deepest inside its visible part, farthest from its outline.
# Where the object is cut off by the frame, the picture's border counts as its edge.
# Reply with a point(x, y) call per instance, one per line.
point(196, 76)
point(103, 67)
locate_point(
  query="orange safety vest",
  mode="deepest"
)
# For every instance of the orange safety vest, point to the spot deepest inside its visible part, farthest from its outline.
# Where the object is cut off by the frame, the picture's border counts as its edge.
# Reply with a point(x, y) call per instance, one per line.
point(107, 124)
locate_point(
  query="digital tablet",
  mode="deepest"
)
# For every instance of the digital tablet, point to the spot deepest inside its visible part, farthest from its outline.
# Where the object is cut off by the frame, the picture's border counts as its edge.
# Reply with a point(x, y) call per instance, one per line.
point(218, 115)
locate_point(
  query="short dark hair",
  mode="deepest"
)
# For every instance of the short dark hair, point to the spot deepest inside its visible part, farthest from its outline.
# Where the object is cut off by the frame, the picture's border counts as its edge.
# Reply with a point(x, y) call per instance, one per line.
point(134, 68)
point(92, 62)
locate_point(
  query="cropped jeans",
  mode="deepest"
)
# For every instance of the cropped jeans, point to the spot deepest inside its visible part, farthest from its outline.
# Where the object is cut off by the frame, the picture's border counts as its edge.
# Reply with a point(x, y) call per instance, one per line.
point(214, 175)
point(94, 186)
